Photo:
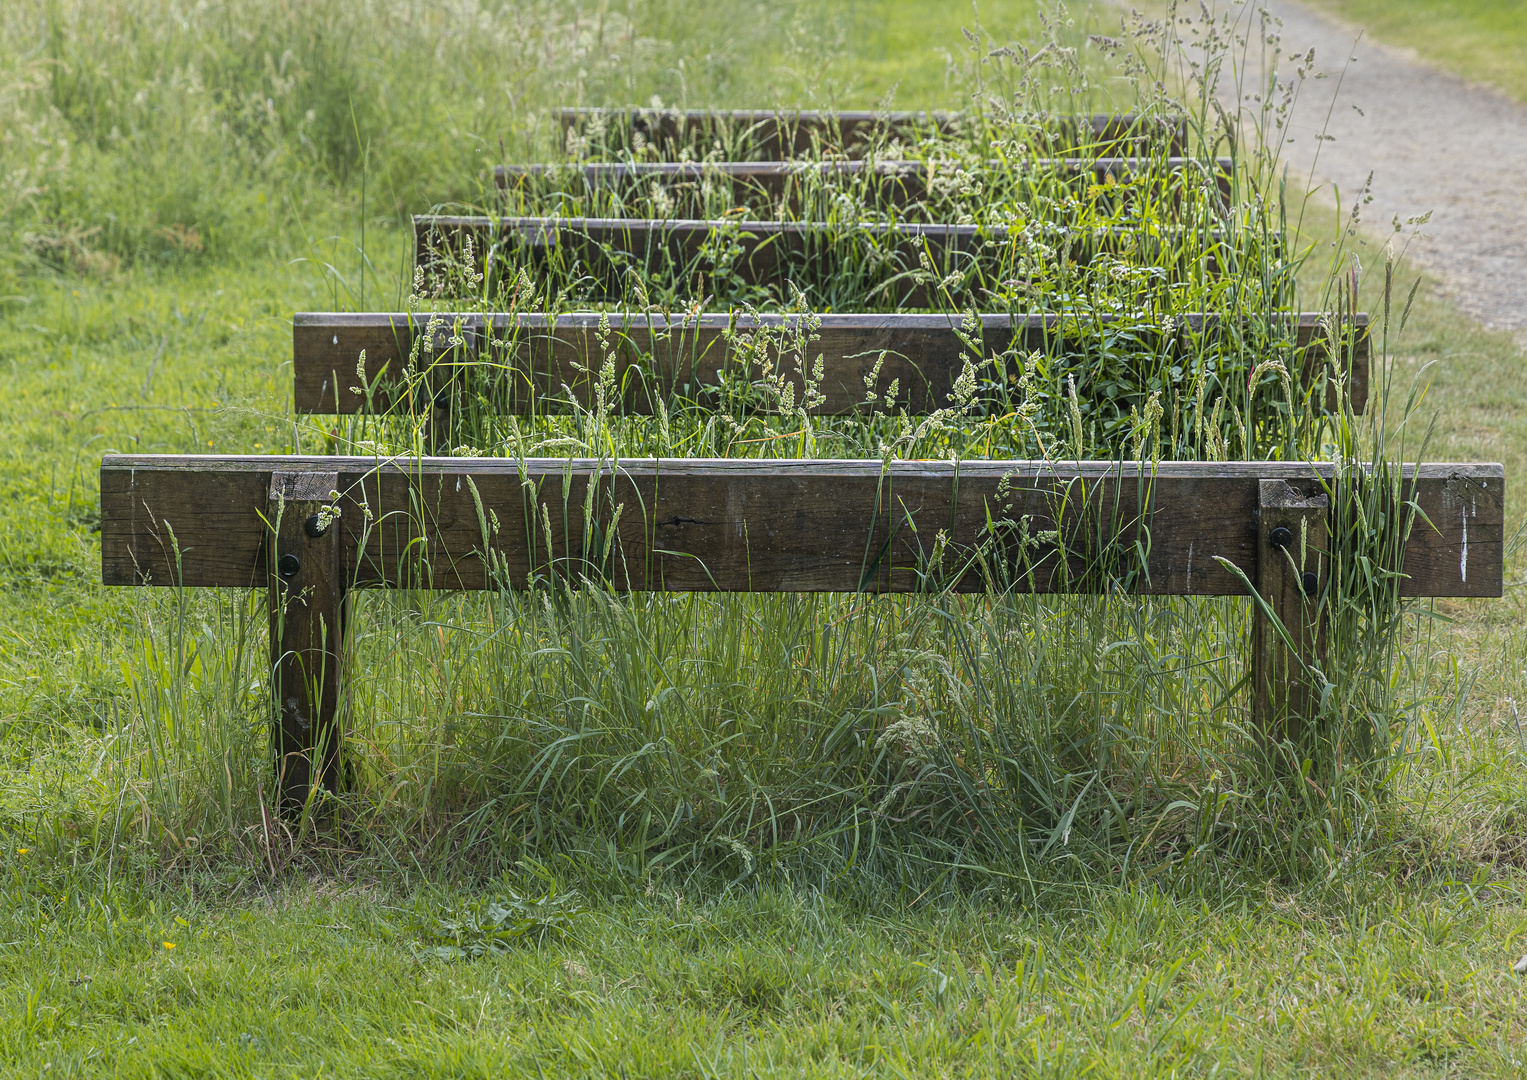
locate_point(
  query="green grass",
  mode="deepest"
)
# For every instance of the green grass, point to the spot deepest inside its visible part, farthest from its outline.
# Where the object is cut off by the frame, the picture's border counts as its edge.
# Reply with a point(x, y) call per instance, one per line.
point(1381, 950)
point(914, 51)
point(327, 977)
point(1480, 40)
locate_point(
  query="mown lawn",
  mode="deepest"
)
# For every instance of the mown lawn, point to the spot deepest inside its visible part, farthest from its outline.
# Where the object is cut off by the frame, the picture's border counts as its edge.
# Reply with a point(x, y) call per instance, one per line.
point(322, 978)
point(1481, 40)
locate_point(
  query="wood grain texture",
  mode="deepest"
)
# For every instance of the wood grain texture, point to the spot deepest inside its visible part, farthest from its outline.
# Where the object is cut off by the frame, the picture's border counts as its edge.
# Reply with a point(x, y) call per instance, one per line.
point(761, 525)
point(545, 362)
point(897, 182)
point(307, 634)
point(774, 135)
point(884, 256)
point(1293, 564)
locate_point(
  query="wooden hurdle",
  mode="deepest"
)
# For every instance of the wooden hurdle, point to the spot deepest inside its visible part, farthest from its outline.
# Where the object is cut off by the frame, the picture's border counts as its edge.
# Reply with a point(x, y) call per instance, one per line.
point(550, 364)
point(779, 252)
point(311, 530)
point(891, 183)
point(777, 135)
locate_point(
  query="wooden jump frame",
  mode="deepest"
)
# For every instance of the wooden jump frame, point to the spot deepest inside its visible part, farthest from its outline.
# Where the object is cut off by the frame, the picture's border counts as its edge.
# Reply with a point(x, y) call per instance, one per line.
point(773, 252)
point(775, 135)
point(546, 359)
point(896, 183)
point(310, 530)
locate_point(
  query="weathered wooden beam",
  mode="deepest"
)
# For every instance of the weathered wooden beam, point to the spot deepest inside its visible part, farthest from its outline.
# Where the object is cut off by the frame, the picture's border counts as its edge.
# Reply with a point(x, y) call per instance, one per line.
point(774, 134)
point(1288, 635)
point(768, 525)
point(893, 182)
point(308, 586)
point(767, 134)
point(547, 364)
point(887, 258)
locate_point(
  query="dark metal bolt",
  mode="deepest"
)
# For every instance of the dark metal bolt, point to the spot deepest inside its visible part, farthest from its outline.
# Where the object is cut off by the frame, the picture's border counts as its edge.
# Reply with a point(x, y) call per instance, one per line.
point(288, 565)
point(1281, 537)
point(315, 526)
point(1310, 582)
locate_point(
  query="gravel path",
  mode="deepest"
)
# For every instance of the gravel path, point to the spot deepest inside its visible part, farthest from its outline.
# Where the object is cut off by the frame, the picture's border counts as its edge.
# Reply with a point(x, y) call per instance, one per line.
point(1433, 142)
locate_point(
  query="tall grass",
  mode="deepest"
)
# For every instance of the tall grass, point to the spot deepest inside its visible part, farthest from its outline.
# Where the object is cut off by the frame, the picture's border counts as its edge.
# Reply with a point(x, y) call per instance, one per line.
point(921, 741)
point(156, 131)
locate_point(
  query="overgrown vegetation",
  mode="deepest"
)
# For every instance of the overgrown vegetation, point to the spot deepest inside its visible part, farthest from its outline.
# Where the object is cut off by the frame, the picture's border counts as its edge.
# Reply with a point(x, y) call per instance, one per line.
point(864, 832)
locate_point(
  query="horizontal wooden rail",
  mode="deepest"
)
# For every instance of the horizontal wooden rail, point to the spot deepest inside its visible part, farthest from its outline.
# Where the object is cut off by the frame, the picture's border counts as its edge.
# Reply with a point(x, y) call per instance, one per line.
point(773, 252)
point(544, 359)
point(310, 529)
point(760, 525)
point(895, 182)
point(771, 134)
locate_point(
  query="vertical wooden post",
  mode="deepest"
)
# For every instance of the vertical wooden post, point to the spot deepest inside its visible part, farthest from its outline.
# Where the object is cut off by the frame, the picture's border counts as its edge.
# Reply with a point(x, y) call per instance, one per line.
point(437, 428)
point(443, 381)
point(307, 617)
point(1293, 532)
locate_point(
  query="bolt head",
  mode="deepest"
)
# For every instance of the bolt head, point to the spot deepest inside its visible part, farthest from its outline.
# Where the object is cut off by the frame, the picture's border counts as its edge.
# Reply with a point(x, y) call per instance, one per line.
point(1310, 582)
point(315, 526)
point(288, 565)
point(1281, 537)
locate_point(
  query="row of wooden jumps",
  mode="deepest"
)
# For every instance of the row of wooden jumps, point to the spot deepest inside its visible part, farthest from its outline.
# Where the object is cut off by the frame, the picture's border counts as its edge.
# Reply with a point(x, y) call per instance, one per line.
point(767, 153)
point(666, 204)
point(313, 530)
